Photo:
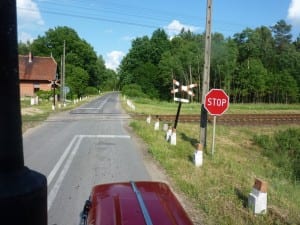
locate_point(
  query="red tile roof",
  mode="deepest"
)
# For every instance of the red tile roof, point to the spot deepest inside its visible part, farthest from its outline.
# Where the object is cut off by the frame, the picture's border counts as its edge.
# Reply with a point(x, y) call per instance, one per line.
point(40, 68)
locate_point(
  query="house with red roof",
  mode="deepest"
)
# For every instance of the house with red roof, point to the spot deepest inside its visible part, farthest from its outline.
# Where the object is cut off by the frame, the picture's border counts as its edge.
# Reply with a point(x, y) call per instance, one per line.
point(36, 73)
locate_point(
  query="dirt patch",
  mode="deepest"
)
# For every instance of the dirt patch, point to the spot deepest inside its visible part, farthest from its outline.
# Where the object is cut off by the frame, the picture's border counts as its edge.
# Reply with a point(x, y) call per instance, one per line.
point(31, 111)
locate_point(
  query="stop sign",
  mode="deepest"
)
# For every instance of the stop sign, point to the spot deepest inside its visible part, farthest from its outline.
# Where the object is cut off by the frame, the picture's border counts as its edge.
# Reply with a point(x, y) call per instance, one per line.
point(216, 102)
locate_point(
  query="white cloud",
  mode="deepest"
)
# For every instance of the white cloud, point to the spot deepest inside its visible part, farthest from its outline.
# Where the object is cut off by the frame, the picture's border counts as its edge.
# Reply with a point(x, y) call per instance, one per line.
point(128, 38)
point(113, 59)
point(175, 27)
point(29, 18)
point(294, 12)
point(24, 37)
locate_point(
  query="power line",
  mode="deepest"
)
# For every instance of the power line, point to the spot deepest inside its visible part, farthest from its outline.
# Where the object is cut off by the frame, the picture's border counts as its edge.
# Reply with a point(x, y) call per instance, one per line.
point(143, 12)
point(95, 18)
point(148, 15)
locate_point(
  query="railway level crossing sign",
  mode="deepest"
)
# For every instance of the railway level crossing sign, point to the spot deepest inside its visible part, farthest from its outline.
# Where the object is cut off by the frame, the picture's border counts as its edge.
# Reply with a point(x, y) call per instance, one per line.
point(216, 103)
point(182, 89)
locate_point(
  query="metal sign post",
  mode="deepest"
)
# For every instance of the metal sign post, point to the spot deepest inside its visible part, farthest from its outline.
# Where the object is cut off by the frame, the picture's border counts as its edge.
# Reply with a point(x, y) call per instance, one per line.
point(214, 134)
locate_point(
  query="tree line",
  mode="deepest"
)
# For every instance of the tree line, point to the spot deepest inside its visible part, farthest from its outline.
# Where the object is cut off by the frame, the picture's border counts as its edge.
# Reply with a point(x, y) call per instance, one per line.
point(255, 65)
point(85, 72)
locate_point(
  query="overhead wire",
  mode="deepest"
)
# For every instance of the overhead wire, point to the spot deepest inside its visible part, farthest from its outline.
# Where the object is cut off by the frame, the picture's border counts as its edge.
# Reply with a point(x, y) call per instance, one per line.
point(112, 12)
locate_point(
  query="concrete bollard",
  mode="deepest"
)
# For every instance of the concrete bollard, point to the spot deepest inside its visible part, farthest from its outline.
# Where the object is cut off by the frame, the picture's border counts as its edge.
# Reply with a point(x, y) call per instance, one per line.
point(165, 127)
point(37, 100)
point(169, 133)
point(32, 101)
point(173, 137)
point(257, 200)
point(148, 120)
point(198, 155)
point(156, 125)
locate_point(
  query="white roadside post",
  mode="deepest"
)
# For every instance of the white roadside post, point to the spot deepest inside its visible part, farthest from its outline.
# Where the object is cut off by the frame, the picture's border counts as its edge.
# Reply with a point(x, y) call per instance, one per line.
point(169, 133)
point(173, 137)
point(156, 124)
point(165, 127)
point(257, 200)
point(198, 155)
point(148, 120)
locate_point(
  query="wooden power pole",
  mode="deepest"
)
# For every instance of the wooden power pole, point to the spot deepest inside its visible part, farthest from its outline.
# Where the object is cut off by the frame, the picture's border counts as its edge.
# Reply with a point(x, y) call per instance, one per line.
point(206, 71)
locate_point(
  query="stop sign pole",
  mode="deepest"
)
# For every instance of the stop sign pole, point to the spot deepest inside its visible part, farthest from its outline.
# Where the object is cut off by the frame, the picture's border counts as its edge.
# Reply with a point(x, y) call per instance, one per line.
point(216, 103)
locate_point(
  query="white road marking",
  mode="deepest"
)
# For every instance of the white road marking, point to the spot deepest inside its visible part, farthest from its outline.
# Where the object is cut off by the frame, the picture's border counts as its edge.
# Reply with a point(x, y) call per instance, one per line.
point(60, 161)
point(62, 174)
point(104, 136)
point(102, 103)
point(76, 141)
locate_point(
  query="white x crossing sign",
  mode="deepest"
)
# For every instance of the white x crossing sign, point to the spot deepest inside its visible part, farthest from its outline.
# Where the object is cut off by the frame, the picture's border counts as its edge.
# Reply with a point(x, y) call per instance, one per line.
point(182, 88)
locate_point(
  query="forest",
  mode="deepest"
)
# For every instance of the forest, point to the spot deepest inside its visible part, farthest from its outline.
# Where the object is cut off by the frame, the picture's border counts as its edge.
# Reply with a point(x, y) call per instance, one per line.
point(256, 65)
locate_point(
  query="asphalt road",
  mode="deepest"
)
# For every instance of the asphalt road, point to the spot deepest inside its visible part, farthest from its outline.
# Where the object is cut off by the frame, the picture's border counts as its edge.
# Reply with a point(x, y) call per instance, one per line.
point(78, 149)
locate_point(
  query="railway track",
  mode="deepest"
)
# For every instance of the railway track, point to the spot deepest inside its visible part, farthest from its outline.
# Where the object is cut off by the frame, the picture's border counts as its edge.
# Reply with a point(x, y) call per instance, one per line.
point(233, 119)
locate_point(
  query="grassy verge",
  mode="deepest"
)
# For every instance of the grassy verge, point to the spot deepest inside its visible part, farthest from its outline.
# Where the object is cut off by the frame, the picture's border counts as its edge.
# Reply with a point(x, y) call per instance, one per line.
point(34, 115)
point(220, 188)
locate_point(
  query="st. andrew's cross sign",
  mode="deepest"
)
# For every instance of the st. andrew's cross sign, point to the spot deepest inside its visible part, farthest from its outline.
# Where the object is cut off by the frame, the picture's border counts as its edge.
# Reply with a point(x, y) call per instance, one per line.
point(182, 89)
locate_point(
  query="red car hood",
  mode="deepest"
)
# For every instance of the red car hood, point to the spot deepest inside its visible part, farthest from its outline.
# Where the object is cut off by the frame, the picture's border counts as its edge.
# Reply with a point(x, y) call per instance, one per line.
point(135, 203)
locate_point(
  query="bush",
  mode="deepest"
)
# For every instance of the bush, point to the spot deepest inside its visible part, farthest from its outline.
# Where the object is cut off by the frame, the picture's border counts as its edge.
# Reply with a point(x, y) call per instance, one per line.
point(91, 91)
point(133, 90)
point(44, 94)
point(283, 148)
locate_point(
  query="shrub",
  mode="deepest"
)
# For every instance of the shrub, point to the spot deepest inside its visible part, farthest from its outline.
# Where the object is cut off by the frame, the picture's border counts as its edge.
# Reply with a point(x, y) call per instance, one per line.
point(133, 90)
point(91, 91)
point(44, 94)
point(283, 148)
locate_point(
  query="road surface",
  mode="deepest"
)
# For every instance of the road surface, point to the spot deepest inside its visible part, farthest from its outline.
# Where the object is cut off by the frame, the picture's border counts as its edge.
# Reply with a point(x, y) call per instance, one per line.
point(78, 149)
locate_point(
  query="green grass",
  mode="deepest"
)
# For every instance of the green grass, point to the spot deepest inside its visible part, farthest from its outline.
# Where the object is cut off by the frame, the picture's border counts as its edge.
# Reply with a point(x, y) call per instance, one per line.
point(152, 107)
point(220, 188)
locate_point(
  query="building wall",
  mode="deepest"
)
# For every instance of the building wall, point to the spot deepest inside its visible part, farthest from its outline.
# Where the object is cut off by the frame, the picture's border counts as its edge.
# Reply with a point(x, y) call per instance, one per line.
point(27, 88)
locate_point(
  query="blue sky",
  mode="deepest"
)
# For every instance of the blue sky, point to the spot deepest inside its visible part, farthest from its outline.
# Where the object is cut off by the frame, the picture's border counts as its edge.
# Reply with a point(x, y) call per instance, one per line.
point(110, 25)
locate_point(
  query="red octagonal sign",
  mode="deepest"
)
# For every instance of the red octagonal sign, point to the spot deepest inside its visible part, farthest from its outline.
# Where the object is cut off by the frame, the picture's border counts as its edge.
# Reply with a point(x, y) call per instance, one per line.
point(216, 102)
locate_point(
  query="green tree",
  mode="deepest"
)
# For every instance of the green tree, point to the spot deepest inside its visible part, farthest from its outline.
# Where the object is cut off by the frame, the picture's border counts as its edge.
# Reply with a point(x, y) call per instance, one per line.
point(79, 53)
point(110, 81)
point(282, 34)
point(223, 62)
point(77, 79)
point(24, 48)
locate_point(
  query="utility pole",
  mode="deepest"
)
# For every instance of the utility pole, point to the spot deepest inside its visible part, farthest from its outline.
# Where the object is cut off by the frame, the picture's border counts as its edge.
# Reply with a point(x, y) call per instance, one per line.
point(23, 192)
point(206, 71)
point(64, 74)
